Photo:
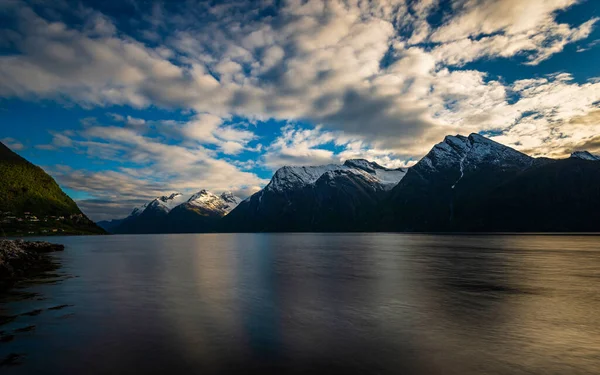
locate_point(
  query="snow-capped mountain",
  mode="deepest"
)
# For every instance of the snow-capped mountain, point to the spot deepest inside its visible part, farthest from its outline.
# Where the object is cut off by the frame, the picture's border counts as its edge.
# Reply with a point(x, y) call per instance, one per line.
point(162, 204)
point(468, 152)
point(386, 176)
point(463, 184)
point(585, 155)
point(212, 204)
point(231, 199)
point(138, 210)
point(328, 197)
point(289, 178)
point(179, 213)
point(165, 203)
point(220, 204)
point(439, 191)
point(475, 184)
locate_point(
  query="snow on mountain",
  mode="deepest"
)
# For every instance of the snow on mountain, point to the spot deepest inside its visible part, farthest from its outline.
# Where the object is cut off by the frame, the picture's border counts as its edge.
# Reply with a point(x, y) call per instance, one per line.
point(386, 176)
point(165, 203)
point(210, 202)
point(203, 199)
point(468, 152)
point(231, 199)
point(295, 177)
point(138, 210)
point(584, 155)
point(331, 176)
point(287, 178)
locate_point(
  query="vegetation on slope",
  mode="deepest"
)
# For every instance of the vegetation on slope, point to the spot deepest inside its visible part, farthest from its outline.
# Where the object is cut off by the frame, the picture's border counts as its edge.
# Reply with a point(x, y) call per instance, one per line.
point(31, 202)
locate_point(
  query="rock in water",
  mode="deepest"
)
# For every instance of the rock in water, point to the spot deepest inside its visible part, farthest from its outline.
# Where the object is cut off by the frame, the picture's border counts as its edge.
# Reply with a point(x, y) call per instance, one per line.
point(20, 258)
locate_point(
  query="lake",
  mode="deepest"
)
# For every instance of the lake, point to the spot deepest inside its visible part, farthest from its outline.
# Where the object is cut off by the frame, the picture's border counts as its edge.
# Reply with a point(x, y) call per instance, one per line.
point(313, 303)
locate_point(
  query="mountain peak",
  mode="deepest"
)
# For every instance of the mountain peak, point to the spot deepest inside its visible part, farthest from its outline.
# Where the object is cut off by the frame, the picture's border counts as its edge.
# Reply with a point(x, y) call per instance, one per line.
point(461, 151)
point(292, 177)
point(199, 194)
point(585, 155)
point(214, 204)
point(165, 203)
point(476, 137)
point(451, 139)
point(288, 178)
point(467, 142)
point(228, 197)
point(165, 198)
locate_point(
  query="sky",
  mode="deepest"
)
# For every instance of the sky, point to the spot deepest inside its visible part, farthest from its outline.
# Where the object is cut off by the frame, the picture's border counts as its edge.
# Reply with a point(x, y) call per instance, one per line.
point(123, 101)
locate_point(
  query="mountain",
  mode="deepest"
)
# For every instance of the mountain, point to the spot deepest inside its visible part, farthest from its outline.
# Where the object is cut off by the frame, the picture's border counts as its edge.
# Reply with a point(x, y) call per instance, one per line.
point(442, 190)
point(176, 214)
point(151, 217)
point(475, 184)
point(559, 196)
point(201, 212)
point(31, 202)
point(109, 225)
point(464, 184)
point(584, 155)
point(320, 198)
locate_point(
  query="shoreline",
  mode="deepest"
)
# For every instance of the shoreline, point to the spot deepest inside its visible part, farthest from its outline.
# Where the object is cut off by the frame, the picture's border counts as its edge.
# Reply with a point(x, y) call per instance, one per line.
point(20, 259)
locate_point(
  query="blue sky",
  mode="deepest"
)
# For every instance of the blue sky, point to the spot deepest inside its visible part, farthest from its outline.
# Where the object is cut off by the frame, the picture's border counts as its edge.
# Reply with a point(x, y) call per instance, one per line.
point(124, 101)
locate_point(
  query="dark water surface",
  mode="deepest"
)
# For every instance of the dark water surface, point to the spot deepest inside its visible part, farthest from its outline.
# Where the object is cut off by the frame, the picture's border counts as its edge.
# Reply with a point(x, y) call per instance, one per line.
point(314, 303)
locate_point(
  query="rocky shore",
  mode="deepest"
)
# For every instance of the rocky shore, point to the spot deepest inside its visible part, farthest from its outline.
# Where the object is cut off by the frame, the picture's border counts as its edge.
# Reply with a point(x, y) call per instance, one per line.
point(21, 259)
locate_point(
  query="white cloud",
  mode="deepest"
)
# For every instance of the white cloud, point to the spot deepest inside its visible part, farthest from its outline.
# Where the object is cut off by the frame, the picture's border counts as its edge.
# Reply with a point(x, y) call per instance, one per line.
point(202, 128)
point(12, 143)
point(298, 146)
point(383, 82)
point(315, 60)
point(149, 167)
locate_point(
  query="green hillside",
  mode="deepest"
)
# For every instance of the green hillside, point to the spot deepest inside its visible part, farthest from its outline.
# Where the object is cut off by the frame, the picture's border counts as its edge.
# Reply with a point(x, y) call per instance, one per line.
point(31, 201)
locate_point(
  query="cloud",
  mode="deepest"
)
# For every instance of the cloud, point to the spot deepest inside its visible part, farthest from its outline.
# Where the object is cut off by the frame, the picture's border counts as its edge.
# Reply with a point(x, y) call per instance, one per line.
point(297, 146)
point(12, 143)
point(114, 193)
point(371, 79)
point(489, 16)
point(138, 123)
point(318, 61)
point(149, 167)
point(505, 28)
point(93, 68)
point(202, 127)
point(301, 146)
point(206, 128)
point(555, 115)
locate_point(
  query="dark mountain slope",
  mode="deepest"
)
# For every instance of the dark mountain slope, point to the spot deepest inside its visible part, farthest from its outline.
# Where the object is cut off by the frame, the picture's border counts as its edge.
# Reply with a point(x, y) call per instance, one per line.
point(345, 201)
point(560, 196)
point(441, 191)
point(320, 198)
point(149, 221)
point(26, 188)
point(109, 225)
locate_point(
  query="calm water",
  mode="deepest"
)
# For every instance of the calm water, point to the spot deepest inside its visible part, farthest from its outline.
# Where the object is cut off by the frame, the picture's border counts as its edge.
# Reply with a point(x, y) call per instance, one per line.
point(306, 303)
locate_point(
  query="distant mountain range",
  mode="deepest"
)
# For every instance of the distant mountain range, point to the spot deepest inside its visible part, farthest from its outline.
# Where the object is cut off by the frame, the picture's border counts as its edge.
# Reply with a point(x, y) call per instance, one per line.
point(464, 184)
point(32, 203)
point(328, 198)
point(176, 213)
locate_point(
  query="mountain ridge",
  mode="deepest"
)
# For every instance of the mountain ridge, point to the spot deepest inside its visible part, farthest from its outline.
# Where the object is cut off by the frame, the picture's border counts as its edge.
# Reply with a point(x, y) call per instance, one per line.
point(31, 202)
point(299, 198)
point(464, 183)
point(176, 213)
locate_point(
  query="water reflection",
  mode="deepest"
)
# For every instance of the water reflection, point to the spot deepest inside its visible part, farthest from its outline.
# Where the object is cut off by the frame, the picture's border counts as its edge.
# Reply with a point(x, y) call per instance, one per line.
point(306, 303)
